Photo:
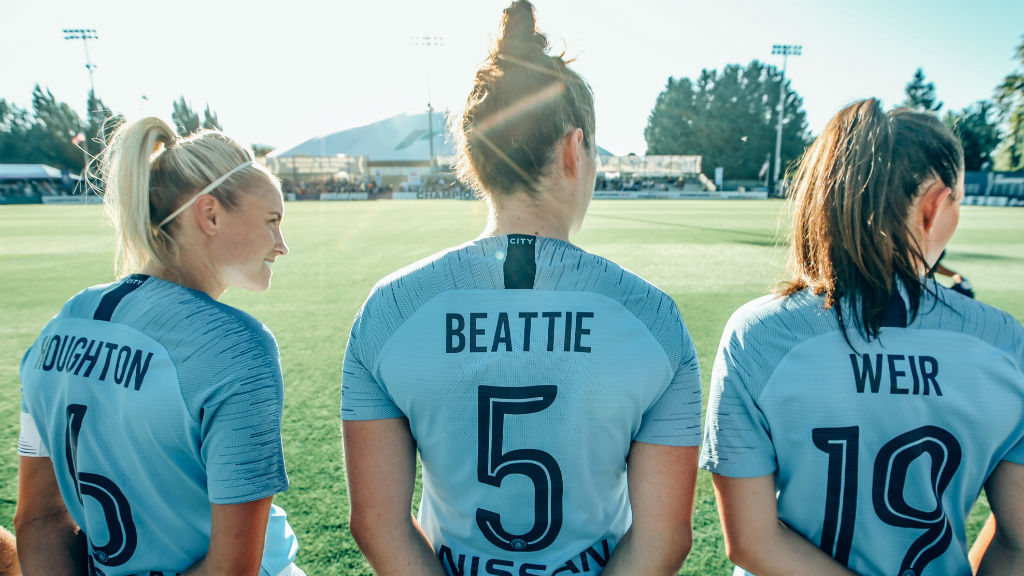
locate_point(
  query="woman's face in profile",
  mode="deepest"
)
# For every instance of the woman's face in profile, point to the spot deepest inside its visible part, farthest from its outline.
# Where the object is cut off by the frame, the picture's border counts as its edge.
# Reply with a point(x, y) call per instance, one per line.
point(251, 240)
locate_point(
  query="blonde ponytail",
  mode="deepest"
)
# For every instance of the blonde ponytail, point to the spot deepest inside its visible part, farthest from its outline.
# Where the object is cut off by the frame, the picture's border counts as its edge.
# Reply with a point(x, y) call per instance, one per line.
point(127, 196)
point(150, 172)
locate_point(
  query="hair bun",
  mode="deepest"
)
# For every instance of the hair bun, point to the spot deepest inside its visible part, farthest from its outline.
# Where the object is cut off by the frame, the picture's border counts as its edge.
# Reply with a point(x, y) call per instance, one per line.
point(519, 34)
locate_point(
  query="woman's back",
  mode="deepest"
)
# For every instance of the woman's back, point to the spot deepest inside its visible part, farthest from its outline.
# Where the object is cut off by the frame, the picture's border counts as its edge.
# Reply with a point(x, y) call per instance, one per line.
point(131, 380)
point(526, 367)
point(879, 448)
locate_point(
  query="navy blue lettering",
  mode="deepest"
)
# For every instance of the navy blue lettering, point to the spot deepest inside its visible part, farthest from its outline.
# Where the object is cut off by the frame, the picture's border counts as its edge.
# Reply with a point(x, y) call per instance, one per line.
point(524, 569)
point(494, 567)
point(872, 376)
point(894, 374)
point(581, 331)
point(568, 332)
point(551, 327)
point(75, 354)
point(121, 368)
point(63, 353)
point(527, 319)
point(593, 553)
point(106, 363)
point(913, 374)
point(569, 567)
point(502, 334)
point(90, 357)
point(474, 331)
point(455, 341)
point(52, 347)
point(929, 370)
point(445, 554)
point(138, 369)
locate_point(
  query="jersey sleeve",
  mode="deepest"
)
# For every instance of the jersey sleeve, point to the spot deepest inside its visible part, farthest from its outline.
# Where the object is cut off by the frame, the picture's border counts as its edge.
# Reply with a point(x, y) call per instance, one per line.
point(363, 397)
point(30, 443)
point(240, 424)
point(674, 418)
point(737, 439)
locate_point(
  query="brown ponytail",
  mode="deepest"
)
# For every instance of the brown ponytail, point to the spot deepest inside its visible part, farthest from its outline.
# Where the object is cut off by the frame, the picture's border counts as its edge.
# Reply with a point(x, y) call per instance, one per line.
point(851, 198)
point(522, 103)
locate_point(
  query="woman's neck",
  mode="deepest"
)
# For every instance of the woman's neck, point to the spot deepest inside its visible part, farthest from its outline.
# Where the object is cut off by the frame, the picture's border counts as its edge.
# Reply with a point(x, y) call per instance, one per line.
point(535, 215)
point(183, 277)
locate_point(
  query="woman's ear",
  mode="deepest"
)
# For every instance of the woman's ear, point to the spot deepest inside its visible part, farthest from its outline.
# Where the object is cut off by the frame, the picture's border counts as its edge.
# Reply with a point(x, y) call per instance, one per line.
point(572, 151)
point(931, 204)
point(207, 214)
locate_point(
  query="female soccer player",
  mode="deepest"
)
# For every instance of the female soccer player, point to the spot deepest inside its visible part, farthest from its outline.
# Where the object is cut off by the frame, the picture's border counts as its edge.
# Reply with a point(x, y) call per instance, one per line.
point(855, 416)
point(525, 372)
point(151, 412)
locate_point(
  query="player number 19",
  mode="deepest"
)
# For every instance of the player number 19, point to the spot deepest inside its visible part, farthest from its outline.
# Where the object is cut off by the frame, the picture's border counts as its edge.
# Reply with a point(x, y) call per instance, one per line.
point(889, 477)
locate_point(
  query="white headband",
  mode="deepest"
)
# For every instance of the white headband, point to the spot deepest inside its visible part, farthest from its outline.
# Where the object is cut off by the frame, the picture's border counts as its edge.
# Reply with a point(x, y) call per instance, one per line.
point(204, 191)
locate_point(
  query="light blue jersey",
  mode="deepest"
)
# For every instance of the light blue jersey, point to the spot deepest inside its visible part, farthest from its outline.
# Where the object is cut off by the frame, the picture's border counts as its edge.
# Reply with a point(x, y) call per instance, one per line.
point(525, 367)
point(152, 401)
point(878, 450)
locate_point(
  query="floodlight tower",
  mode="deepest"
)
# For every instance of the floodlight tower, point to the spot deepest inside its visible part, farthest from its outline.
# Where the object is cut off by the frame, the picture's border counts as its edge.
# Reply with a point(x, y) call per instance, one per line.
point(84, 34)
point(429, 42)
point(786, 50)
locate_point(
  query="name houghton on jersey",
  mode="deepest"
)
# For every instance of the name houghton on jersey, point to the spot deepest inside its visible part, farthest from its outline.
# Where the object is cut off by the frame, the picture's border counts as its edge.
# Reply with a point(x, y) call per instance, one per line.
point(487, 332)
point(82, 356)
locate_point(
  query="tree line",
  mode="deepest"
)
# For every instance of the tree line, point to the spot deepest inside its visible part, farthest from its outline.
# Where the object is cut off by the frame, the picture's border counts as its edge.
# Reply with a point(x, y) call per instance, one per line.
point(730, 118)
point(52, 133)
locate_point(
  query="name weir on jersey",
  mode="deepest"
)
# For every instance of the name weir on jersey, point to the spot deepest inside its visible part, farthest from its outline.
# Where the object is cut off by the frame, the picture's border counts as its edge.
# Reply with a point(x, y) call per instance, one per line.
point(916, 375)
point(591, 559)
point(484, 332)
point(81, 356)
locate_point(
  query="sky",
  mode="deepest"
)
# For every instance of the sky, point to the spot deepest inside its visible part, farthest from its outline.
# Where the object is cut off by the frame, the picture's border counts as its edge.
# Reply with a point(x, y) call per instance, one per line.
point(278, 73)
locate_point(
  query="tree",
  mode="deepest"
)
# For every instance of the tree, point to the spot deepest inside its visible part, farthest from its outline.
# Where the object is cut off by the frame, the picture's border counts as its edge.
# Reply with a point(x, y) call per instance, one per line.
point(51, 135)
point(15, 124)
point(185, 119)
point(978, 131)
point(102, 125)
point(210, 121)
point(730, 119)
point(921, 94)
point(1010, 102)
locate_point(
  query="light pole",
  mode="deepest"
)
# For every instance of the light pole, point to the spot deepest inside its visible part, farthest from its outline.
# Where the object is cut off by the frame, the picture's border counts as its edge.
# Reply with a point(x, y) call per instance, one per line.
point(786, 50)
point(84, 34)
point(427, 42)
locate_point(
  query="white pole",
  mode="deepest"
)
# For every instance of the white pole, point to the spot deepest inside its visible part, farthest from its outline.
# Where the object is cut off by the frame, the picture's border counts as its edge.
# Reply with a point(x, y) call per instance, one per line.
point(785, 50)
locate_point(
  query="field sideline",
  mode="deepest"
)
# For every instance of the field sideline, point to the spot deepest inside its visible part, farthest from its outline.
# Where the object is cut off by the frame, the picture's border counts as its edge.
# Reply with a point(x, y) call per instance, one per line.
point(710, 256)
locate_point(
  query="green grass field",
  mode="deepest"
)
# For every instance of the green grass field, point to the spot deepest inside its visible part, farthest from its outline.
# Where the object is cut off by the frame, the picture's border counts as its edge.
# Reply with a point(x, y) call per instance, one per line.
point(711, 256)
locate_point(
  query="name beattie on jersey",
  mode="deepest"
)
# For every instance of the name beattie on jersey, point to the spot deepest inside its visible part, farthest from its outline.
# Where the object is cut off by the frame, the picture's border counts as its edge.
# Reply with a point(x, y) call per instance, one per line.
point(83, 356)
point(566, 331)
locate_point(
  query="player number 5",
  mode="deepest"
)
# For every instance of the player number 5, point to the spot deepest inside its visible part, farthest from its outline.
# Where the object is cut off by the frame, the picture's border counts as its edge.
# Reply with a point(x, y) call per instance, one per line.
point(122, 534)
point(493, 465)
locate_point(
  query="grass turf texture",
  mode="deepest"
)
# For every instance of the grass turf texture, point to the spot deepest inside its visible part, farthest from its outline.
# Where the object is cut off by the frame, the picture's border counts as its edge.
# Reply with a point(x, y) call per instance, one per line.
point(710, 256)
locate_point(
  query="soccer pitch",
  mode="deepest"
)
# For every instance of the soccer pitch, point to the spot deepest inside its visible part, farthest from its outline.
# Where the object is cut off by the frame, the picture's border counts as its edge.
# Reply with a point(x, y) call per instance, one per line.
point(710, 256)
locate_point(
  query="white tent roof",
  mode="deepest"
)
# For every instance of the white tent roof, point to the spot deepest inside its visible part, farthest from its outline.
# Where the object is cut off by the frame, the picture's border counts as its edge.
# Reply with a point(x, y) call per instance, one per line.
point(401, 138)
point(30, 172)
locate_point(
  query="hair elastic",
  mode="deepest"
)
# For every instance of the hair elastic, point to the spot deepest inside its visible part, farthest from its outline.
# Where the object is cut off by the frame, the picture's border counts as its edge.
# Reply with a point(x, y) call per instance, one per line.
point(209, 188)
